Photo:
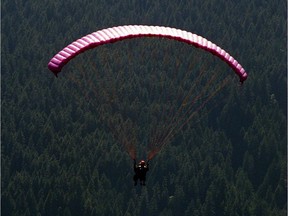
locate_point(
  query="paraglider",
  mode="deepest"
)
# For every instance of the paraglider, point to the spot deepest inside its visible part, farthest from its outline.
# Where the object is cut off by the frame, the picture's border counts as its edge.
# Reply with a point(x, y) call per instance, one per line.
point(140, 170)
point(187, 109)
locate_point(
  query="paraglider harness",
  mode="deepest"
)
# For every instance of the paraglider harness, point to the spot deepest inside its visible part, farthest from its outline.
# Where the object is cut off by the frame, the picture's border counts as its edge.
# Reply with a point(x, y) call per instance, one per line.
point(140, 172)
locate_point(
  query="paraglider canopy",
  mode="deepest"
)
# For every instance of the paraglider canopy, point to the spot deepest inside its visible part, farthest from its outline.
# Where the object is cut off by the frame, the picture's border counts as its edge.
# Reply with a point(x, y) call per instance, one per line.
point(131, 31)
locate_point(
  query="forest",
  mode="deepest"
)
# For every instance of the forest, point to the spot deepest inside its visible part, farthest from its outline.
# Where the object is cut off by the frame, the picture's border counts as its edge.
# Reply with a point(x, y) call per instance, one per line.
point(64, 141)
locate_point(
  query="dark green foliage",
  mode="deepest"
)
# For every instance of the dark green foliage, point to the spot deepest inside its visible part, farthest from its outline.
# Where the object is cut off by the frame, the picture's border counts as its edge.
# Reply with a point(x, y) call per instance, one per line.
point(57, 156)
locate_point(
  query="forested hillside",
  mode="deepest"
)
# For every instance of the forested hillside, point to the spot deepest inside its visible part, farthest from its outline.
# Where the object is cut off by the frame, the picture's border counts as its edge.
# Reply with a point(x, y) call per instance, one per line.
point(61, 147)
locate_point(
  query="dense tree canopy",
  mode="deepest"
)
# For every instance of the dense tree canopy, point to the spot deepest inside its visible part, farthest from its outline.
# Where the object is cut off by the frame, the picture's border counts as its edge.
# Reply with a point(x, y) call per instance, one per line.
point(57, 156)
